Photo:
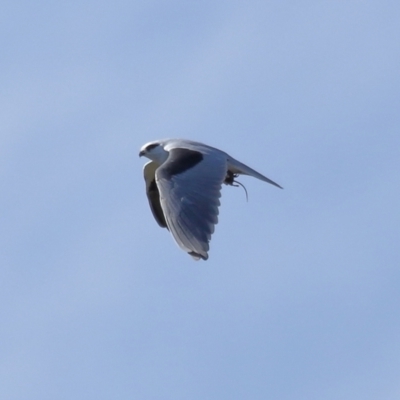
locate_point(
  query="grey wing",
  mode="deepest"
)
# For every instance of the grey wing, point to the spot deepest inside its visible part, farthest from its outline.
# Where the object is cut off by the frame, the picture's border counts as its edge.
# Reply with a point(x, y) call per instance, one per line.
point(190, 187)
point(153, 195)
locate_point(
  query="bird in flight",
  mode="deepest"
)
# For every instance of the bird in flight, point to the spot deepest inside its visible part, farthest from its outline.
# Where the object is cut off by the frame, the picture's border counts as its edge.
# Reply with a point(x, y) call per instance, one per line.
point(183, 186)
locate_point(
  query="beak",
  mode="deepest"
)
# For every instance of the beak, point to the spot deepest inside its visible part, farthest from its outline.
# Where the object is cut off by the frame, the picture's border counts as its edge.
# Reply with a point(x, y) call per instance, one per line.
point(141, 153)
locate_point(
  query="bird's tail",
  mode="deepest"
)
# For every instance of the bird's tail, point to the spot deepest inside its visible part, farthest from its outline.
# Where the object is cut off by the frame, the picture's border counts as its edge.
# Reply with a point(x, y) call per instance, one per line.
point(237, 167)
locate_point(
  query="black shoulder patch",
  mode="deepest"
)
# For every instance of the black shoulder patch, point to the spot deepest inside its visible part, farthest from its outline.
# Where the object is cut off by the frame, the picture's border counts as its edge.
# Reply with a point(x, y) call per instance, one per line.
point(155, 205)
point(180, 160)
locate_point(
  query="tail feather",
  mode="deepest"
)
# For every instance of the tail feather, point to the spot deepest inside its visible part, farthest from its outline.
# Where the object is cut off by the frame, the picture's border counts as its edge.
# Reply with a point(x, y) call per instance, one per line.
point(237, 167)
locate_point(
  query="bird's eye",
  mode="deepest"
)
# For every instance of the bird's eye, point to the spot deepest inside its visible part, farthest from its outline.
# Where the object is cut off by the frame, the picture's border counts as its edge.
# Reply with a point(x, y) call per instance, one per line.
point(151, 146)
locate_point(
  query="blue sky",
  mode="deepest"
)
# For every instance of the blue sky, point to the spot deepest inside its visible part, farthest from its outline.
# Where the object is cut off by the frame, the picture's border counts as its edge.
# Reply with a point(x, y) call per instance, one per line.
point(300, 296)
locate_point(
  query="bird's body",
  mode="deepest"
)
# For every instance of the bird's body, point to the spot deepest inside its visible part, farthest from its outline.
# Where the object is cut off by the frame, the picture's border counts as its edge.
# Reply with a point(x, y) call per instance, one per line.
point(183, 186)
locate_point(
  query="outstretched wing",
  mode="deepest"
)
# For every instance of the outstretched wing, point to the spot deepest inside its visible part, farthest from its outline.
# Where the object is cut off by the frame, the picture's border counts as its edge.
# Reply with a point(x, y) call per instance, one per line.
point(189, 183)
point(153, 195)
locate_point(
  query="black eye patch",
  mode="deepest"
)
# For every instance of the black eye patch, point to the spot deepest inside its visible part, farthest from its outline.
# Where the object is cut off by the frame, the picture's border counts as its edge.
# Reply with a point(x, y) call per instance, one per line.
point(151, 146)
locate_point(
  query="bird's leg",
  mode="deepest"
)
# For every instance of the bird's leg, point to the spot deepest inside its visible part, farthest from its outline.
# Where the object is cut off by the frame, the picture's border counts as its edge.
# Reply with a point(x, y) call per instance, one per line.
point(230, 180)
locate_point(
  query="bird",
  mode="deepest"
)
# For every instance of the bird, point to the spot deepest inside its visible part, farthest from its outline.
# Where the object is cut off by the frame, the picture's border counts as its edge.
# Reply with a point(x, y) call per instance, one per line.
point(183, 185)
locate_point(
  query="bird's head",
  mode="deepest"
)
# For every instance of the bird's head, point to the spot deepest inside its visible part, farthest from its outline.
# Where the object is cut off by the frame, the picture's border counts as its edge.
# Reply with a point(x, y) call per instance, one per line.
point(154, 151)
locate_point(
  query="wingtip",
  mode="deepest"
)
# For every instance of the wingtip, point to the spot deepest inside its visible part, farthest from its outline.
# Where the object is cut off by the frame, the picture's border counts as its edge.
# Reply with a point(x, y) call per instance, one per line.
point(272, 182)
point(197, 256)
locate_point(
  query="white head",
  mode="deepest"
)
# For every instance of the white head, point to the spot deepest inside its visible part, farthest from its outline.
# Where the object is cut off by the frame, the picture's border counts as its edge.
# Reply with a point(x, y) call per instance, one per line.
point(155, 151)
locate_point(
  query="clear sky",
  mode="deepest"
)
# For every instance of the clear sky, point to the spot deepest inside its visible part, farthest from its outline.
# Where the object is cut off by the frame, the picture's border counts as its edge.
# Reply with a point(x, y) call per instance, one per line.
point(300, 296)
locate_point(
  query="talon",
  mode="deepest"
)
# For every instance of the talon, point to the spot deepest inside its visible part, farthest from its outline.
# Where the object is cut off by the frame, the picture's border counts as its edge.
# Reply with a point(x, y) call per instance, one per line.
point(230, 180)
